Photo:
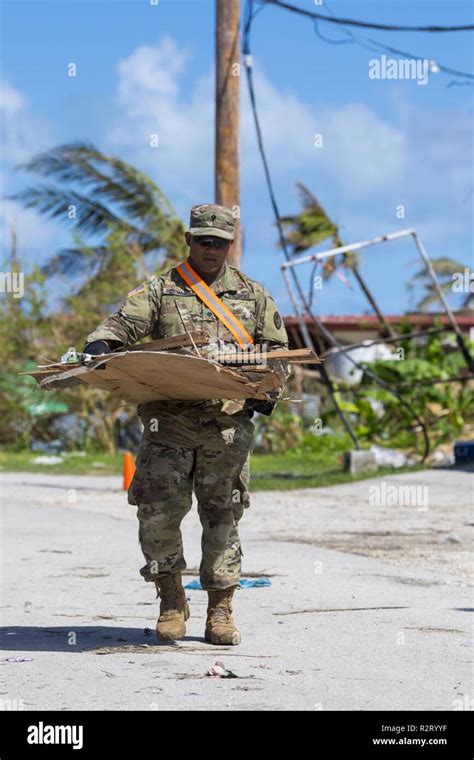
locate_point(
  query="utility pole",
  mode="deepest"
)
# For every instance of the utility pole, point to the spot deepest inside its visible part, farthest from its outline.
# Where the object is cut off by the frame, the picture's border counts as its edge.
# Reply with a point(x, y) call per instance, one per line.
point(227, 170)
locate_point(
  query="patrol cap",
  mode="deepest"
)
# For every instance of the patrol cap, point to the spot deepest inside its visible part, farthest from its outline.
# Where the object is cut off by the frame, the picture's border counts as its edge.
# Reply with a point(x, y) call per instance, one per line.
point(210, 219)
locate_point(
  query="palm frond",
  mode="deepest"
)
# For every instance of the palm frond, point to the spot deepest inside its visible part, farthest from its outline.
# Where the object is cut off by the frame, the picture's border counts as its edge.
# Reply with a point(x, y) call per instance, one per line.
point(70, 206)
point(432, 295)
point(105, 178)
point(311, 227)
point(442, 266)
point(106, 192)
point(76, 260)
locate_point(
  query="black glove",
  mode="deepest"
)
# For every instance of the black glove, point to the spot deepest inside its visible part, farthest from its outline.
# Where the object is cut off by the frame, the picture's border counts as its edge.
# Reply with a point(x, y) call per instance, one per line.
point(97, 347)
point(262, 407)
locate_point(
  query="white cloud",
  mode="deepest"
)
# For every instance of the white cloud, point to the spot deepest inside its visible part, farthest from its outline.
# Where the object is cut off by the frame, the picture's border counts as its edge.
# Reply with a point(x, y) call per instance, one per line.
point(151, 72)
point(368, 165)
point(23, 133)
point(360, 150)
point(151, 101)
point(11, 101)
point(288, 127)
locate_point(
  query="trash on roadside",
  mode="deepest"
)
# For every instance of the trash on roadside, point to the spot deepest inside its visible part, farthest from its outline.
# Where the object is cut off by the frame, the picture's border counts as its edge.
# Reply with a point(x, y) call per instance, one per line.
point(218, 670)
point(442, 457)
point(195, 584)
point(451, 538)
point(255, 582)
point(47, 460)
point(47, 447)
point(390, 457)
point(18, 659)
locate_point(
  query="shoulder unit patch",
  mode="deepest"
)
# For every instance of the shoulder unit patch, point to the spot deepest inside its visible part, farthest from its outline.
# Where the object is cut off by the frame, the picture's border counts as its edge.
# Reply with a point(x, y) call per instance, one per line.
point(136, 291)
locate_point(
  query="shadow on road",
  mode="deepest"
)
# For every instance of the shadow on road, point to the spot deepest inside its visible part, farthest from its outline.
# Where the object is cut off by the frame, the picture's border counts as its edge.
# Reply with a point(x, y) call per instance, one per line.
point(77, 638)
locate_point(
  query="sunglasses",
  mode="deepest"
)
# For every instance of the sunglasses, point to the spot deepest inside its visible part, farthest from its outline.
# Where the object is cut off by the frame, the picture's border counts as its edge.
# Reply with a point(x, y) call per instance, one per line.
point(212, 242)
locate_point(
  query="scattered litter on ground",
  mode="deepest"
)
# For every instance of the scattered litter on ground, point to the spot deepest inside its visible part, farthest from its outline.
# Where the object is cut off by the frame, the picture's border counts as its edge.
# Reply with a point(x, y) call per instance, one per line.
point(442, 457)
point(47, 460)
point(451, 538)
point(218, 670)
point(47, 447)
point(390, 457)
point(255, 582)
point(195, 584)
point(18, 659)
point(250, 573)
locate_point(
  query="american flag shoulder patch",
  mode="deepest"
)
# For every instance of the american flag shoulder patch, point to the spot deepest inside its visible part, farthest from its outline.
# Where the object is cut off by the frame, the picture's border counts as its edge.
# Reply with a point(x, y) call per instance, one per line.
point(136, 291)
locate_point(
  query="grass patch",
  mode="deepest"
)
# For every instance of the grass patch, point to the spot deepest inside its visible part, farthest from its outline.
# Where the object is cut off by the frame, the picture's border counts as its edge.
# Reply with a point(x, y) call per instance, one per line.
point(73, 463)
point(268, 472)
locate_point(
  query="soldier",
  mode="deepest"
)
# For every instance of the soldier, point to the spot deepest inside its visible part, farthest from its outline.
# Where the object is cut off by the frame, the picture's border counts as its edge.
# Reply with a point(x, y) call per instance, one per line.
point(203, 446)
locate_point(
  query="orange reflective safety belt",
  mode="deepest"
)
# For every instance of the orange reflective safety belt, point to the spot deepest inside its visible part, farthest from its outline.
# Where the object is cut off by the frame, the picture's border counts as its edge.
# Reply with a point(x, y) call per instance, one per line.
point(214, 303)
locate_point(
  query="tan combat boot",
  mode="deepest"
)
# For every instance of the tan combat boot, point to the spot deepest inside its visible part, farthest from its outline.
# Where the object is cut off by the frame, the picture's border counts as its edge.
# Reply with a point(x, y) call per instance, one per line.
point(220, 627)
point(174, 609)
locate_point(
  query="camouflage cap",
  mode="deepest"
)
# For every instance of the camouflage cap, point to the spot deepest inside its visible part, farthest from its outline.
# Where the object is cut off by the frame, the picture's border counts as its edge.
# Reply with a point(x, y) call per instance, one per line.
point(210, 219)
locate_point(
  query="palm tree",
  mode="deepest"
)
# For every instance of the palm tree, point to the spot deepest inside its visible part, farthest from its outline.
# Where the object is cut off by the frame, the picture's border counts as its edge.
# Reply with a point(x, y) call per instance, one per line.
point(99, 196)
point(445, 268)
point(310, 228)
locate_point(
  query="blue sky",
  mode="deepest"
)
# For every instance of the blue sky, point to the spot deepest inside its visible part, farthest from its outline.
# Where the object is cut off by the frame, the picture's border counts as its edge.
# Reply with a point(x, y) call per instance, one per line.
point(143, 68)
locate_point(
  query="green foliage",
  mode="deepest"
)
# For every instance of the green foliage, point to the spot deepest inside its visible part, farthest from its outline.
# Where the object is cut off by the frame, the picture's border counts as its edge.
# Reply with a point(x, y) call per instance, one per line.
point(445, 268)
point(311, 227)
point(139, 235)
point(443, 407)
point(24, 407)
point(279, 432)
point(107, 195)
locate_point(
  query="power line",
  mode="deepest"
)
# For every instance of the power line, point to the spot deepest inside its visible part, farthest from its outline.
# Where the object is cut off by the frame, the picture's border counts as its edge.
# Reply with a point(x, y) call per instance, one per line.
point(370, 44)
point(366, 24)
point(247, 57)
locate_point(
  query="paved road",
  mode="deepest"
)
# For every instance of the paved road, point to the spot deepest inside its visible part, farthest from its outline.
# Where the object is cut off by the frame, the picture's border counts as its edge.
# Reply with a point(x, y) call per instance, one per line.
point(370, 605)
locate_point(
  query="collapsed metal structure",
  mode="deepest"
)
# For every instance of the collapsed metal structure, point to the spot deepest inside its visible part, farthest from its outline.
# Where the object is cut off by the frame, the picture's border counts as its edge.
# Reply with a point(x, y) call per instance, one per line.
point(302, 306)
point(288, 268)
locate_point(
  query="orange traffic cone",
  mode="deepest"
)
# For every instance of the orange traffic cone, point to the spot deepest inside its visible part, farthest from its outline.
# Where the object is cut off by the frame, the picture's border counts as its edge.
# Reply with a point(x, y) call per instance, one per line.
point(128, 470)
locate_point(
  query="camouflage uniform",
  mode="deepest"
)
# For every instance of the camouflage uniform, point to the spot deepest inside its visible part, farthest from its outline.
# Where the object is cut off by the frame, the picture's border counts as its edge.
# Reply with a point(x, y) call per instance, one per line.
point(188, 445)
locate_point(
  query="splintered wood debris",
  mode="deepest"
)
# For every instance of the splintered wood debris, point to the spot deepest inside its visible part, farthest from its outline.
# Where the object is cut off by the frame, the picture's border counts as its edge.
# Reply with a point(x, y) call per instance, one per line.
point(175, 369)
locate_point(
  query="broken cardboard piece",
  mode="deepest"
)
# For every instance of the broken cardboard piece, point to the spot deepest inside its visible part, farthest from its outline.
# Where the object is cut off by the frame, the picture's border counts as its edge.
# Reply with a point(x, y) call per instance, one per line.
point(168, 369)
point(141, 376)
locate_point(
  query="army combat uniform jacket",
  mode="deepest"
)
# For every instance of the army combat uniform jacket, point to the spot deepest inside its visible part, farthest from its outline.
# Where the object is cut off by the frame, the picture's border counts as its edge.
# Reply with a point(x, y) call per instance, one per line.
point(166, 306)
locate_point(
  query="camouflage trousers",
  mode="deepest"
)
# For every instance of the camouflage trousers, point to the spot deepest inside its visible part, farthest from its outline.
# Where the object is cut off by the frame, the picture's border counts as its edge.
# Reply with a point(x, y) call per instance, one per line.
point(188, 450)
